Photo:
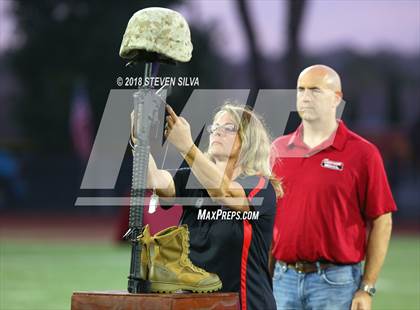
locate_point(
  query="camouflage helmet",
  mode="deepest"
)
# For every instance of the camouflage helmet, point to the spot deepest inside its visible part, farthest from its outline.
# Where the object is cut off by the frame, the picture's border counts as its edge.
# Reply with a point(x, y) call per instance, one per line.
point(158, 30)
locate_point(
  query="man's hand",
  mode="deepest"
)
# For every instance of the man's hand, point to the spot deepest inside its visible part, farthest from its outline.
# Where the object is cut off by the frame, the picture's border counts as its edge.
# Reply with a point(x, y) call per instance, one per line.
point(178, 131)
point(361, 301)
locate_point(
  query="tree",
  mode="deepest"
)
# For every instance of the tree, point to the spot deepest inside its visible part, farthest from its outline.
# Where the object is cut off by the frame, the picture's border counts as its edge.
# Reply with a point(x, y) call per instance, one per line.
point(72, 39)
point(255, 60)
point(296, 9)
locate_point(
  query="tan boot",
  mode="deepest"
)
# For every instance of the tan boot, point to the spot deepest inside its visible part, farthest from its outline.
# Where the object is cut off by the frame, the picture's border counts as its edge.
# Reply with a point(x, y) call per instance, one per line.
point(170, 267)
point(145, 239)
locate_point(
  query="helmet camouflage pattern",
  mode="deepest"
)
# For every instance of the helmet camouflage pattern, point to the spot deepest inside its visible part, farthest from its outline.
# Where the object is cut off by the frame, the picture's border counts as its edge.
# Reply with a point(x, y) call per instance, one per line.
point(158, 30)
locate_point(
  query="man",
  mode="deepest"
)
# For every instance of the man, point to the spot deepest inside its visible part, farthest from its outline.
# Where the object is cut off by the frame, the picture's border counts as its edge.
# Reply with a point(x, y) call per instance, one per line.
point(334, 187)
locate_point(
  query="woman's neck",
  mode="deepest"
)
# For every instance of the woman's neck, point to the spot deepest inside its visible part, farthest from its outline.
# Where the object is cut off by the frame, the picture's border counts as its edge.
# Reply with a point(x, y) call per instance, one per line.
point(228, 167)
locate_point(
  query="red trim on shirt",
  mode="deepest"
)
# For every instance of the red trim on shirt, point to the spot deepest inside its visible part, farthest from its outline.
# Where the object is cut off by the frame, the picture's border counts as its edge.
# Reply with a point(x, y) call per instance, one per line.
point(257, 188)
point(244, 260)
point(246, 244)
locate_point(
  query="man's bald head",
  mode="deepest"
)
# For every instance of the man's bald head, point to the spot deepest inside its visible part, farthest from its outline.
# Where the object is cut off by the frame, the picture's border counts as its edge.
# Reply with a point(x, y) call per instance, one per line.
point(318, 94)
point(320, 76)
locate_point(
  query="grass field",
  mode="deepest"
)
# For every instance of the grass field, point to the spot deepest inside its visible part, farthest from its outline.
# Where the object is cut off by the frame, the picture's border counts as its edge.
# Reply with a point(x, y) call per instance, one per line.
point(39, 275)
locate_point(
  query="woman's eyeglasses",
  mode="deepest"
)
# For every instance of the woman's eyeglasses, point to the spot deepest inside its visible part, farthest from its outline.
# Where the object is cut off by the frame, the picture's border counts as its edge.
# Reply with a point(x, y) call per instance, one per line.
point(225, 129)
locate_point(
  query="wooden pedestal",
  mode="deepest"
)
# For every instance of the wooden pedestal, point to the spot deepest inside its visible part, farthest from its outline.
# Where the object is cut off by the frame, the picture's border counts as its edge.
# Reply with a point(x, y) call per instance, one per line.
point(107, 300)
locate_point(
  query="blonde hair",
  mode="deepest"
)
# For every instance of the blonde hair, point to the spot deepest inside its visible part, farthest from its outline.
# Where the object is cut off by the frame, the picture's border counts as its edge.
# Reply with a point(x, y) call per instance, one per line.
point(255, 143)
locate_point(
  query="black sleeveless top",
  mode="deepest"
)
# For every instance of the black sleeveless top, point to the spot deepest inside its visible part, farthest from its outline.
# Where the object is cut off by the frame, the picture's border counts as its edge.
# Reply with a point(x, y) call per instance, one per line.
point(235, 249)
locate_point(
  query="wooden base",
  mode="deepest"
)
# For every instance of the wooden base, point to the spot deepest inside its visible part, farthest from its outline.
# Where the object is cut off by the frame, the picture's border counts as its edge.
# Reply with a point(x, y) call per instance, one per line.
point(107, 300)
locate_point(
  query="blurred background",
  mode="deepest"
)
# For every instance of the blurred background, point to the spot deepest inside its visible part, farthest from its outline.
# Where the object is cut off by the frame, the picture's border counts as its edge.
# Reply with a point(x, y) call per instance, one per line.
point(59, 60)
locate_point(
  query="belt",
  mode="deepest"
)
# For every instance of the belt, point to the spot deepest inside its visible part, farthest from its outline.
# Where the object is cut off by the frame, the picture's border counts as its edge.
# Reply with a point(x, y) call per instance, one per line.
point(308, 267)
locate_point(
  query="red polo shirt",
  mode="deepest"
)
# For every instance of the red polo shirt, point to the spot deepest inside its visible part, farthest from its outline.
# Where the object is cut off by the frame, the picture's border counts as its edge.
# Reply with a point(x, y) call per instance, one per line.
point(330, 193)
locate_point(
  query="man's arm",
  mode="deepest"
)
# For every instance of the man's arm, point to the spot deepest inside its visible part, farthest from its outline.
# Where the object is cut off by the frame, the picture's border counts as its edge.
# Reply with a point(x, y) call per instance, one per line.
point(377, 248)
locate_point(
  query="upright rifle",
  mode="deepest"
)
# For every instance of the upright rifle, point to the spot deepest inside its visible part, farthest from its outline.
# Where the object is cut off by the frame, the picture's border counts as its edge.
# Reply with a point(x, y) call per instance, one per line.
point(153, 35)
point(147, 102)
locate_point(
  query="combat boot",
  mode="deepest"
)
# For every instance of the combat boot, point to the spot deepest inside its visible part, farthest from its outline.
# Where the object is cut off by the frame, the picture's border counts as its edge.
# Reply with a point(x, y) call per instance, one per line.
point(170, 267)
point(145, 239)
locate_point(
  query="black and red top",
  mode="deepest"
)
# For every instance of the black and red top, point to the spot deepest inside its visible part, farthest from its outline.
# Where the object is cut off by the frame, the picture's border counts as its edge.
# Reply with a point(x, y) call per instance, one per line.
point(236, 249)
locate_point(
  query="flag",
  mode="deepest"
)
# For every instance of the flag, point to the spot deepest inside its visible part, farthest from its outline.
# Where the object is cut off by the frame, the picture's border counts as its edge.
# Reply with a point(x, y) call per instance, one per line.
point(81, 122)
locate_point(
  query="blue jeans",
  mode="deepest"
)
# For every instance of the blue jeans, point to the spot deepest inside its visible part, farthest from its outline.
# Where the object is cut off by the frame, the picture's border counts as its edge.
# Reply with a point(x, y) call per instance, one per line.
point(328, 289)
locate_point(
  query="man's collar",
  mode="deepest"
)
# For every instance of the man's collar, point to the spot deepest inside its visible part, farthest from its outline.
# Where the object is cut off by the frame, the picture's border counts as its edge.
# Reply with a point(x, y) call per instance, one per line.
point(339, 136)
point(297, 138)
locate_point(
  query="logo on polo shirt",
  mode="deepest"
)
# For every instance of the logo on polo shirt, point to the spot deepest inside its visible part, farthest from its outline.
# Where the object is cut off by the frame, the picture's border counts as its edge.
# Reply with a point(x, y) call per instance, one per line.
point(330, 164)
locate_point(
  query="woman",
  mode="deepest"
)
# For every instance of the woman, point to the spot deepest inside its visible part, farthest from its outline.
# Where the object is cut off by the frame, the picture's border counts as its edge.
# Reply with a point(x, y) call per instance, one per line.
point(234, 169)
